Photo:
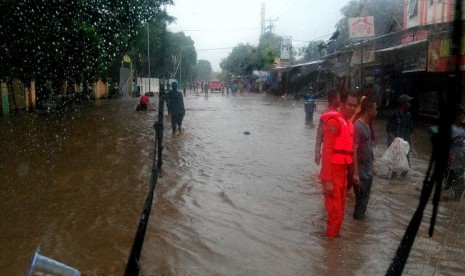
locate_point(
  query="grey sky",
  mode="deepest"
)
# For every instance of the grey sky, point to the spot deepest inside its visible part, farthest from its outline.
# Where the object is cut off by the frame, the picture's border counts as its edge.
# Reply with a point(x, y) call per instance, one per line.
point(216, 26)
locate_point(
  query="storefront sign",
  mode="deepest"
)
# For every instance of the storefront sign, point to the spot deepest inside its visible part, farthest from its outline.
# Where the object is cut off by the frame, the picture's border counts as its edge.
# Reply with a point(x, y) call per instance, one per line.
point(368, 56)
point(440, 56)
point(414, 63)
point(414, 36)
point(286, 45)
point(361, 27)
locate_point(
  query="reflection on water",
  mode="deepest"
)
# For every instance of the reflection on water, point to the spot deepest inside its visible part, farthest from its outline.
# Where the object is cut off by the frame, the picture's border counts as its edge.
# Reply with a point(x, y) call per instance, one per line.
point(227, 203)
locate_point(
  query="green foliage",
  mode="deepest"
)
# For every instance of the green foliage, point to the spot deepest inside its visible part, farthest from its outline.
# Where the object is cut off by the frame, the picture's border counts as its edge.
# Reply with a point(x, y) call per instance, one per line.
point(244, 58)
point(269, 48)
point(166, 49)
point(204, 69)
point(181, 50)
point(69, 40)
point(313, 51)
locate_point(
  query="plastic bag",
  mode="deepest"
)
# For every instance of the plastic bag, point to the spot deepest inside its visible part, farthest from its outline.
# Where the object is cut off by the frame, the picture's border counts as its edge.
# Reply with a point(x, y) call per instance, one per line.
point(396, 155)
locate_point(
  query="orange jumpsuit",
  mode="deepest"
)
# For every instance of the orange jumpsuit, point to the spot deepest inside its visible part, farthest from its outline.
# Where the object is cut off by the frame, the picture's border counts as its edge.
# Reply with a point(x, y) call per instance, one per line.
point(336, 157)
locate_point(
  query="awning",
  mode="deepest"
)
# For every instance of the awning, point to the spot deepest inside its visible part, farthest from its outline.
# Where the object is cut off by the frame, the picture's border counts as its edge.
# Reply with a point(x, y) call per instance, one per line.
point(414, 70)
point(311, 63)
point(402, 46)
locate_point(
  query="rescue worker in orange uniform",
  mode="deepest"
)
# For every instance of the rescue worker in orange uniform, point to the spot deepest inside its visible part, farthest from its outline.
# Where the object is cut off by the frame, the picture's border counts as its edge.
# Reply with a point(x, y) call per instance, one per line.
point(337, 155)
point(334, 100)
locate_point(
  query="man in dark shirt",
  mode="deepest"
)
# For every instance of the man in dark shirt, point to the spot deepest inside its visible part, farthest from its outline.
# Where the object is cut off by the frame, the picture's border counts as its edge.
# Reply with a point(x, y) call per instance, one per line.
point(400, 124)
point(176, 106)
point(363, 157)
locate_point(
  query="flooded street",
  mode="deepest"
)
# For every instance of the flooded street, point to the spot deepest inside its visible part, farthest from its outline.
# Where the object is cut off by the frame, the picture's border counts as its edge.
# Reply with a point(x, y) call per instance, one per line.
point(228, 202)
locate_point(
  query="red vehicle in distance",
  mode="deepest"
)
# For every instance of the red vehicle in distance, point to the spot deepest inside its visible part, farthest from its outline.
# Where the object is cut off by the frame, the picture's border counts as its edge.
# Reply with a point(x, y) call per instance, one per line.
point(216, 86)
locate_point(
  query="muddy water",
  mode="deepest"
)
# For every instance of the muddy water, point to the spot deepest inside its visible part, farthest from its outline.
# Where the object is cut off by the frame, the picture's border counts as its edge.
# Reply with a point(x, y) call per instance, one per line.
point(229, 203)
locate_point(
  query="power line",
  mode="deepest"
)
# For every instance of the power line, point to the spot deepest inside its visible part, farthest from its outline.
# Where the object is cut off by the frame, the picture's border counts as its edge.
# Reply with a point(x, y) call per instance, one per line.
point(213, 30)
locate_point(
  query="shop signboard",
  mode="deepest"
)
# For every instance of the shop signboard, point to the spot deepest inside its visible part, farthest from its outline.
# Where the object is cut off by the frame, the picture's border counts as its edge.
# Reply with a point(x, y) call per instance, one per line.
point(414, 63)
point(361, 27)
point(286, 45)
point(368, 56)
point(412, 36)
point(440, 56)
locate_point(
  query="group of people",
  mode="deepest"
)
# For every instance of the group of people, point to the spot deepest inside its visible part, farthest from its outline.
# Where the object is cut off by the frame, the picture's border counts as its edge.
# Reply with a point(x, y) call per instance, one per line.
point(175, 104)
point(344, 148)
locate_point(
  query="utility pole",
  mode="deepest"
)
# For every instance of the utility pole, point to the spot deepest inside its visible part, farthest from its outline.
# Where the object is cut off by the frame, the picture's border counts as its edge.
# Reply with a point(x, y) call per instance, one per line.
point(362, 77)
point(270, 24)
point(262, 20)
point(148, 51)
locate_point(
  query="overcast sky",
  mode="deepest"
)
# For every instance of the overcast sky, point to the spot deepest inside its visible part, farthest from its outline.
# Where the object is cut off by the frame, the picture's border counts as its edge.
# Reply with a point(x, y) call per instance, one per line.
point(216, 26)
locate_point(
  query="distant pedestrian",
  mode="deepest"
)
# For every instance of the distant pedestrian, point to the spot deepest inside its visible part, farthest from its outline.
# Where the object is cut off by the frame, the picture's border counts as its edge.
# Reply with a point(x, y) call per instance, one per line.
point(206, 87)
point(235, 87)
point(400, 124)
point(363, 157)
point(176, 105)
point(455, 181)
point(310, 107)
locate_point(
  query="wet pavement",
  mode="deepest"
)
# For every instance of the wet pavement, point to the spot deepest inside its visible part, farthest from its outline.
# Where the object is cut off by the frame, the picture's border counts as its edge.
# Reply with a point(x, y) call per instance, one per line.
point(229, 203)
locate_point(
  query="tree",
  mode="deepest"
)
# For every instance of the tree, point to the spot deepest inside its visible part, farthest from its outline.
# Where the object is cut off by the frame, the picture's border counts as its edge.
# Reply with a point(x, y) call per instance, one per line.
point(181, 50)
point(69, 40)
point(204, 69)
point(313, 51)
point(242, 60)
point(269, 48)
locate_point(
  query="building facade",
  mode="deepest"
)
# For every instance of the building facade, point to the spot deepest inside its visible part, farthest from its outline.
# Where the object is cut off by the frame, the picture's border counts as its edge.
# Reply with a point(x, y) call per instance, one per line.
point(414, 58)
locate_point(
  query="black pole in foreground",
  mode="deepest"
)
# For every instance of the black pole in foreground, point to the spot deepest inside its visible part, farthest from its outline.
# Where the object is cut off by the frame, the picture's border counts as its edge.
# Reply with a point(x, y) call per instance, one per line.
point(439, 156)
point(132, 267)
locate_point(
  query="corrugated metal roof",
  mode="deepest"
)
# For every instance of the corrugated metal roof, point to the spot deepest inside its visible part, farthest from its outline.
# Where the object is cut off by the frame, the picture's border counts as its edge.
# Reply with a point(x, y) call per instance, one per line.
point(398, 47)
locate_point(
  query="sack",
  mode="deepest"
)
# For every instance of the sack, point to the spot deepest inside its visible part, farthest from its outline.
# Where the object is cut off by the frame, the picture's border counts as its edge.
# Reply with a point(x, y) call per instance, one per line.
point(138, 108)
point(396, 155)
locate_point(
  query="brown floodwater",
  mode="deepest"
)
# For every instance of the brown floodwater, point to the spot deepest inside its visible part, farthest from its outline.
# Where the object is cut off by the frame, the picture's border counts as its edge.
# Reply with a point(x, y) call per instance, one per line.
point(74, 183)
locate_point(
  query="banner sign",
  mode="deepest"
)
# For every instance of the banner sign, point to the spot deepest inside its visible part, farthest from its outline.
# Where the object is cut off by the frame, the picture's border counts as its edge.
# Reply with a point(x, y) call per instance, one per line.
point(440, 56)
point(414, 36)
point(361, 27)
point(368, 56)
point(415, 62)
point(286, 45)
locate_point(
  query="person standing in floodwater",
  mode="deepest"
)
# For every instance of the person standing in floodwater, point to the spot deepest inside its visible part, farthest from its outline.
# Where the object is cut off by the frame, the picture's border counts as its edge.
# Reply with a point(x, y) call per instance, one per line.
point(338, 150)
point(363, 157)
point(144, 102)
point(333, 104)
point(400, 124)
point(455, 185)
point(310, 107)
point(176, 105)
